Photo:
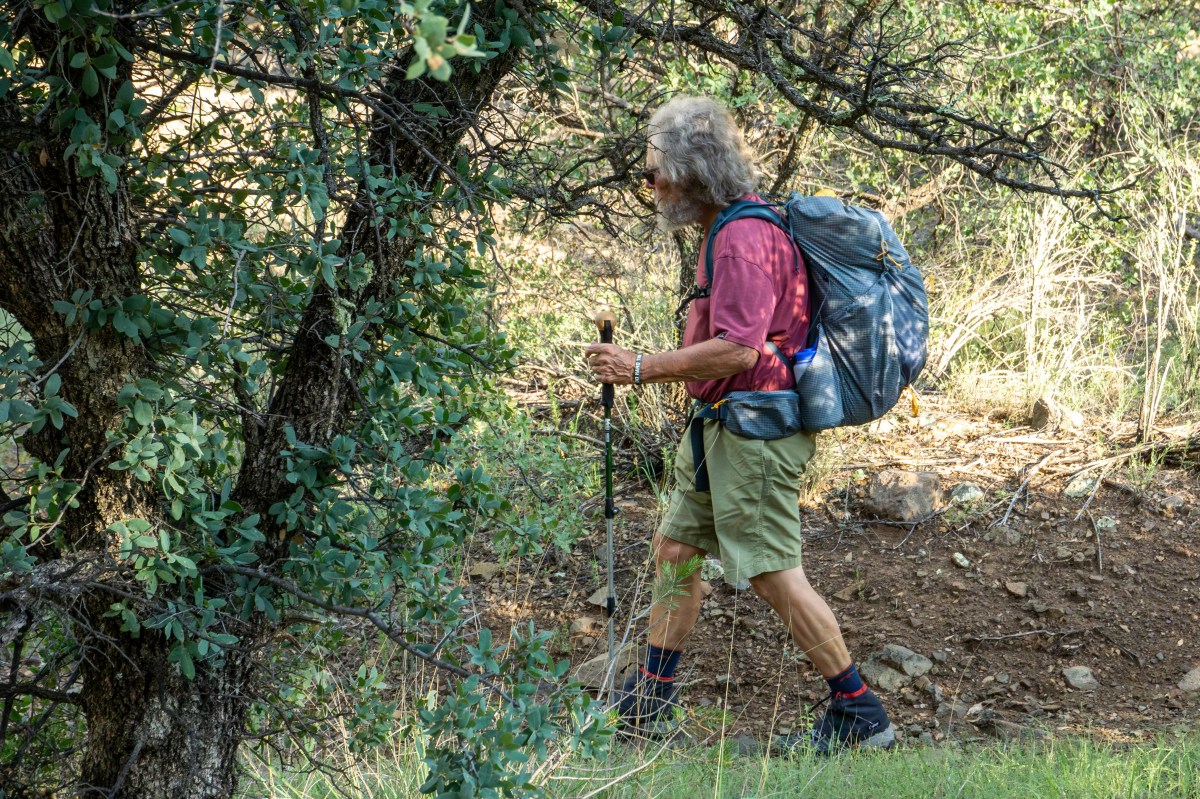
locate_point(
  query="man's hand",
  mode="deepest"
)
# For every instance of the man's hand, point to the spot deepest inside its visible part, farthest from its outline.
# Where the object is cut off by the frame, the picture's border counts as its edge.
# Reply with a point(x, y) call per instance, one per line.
point(610, 364)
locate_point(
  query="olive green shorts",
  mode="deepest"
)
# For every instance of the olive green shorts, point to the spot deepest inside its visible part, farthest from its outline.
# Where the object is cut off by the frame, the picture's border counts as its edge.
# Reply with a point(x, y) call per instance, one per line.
point(751, 516)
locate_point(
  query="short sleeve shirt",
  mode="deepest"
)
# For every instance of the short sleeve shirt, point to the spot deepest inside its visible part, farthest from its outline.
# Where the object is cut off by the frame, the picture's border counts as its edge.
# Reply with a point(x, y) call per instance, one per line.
point(759, 294)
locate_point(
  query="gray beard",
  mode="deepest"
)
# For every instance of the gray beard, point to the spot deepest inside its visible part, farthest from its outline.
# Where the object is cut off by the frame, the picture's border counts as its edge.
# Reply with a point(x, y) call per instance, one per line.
point(677, 214)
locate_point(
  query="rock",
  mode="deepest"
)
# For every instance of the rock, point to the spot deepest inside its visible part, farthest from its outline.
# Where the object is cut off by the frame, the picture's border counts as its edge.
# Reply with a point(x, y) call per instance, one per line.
point(966, 494)
point(1081, 678)
point(880, 675)
point(591, 673)
point(1009, 536)
point(1080, 486)
point(485, 571)
point(706, 589)
point(951, 710)
point(1017, 589)
point(905, 659)
point(1049, 414)
point(961, 561)
point(723, 680)
point(1105, 524)
point(741, 585)
point(926, 739)
point(848, 593)
point(599, 597)
point(1172, 505)
point(904, 496)
point(711, 569)
point(585, 625)
point(1191, 681)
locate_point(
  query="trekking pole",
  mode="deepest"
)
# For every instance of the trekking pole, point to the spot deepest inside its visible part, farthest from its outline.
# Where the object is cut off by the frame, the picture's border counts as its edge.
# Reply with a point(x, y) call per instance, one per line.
point(605, 321)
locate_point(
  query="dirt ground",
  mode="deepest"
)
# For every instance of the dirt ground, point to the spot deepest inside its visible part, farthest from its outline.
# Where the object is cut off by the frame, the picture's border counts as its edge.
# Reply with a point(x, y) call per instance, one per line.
point(1106, 579)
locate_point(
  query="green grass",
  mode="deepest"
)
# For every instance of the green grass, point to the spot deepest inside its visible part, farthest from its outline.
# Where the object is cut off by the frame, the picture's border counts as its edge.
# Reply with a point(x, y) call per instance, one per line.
point(1167, 769)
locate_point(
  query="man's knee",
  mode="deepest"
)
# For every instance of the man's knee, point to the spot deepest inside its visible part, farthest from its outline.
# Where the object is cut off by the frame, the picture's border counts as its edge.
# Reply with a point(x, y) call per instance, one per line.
point(790, 583)
point(668, 550)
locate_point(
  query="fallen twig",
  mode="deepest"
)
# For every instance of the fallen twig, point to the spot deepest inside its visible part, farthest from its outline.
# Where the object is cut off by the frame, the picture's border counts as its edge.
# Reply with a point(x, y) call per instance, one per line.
point(977, 639)
point(1021, 488)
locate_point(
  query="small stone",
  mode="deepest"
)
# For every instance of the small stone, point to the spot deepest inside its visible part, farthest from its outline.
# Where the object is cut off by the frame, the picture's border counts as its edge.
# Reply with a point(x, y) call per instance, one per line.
point(1017, 589)
point(848, 593)
point(1081, 678)
point(966, 494)
point(1191, 681)
point(961, 561)
point(1172, 505)
point(599, 597)
point(1105, 524)
point(1080, 486)
point(485, 571)
point(951, 710)
point(905, 660)
point(881, 675)
point(585, 625)
point(926, 739)
point(1009, 536)
point(711, 569)
point(723, 680)
point(593, 673)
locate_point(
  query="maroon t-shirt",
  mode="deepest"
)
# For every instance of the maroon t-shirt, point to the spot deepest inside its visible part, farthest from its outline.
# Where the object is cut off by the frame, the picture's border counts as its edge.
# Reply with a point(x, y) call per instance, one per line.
point(757, 296)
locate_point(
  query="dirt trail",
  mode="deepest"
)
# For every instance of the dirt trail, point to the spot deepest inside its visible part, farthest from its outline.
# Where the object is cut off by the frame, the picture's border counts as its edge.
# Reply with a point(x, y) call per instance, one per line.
point(1108, 580)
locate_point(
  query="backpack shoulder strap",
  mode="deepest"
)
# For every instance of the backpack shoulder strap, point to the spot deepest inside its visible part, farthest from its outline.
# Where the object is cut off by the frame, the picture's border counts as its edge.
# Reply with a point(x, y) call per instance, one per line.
point(741, 209)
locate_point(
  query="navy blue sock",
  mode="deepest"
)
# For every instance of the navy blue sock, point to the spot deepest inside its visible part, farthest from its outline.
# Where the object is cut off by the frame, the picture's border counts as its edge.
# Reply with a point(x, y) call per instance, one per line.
point(848, 682)
point(661, 664)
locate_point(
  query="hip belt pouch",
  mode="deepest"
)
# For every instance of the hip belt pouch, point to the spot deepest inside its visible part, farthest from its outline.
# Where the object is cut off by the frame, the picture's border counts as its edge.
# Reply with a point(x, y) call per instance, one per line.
point(762, 415)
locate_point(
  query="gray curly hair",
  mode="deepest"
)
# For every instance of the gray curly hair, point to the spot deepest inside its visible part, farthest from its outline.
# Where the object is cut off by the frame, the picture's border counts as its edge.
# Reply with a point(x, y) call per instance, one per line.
point(698, 145)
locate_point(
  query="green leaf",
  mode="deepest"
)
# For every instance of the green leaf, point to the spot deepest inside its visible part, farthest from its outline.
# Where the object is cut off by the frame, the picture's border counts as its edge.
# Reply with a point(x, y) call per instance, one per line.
point(6, 61)
point(416, 69)
point(142, 413)
point(90, 83)
point(53, 383)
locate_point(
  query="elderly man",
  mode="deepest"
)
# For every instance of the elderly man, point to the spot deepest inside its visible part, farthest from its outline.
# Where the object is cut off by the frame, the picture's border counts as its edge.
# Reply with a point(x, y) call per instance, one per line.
point(756, 308)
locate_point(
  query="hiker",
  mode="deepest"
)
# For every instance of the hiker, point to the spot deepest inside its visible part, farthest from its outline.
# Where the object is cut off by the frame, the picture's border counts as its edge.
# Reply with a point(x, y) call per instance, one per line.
point(697, 163)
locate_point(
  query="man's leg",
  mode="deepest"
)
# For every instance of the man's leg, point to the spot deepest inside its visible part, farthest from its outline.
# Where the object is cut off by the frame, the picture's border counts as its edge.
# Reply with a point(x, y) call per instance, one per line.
point(855, 716)
point(673, 616)
point(648, 698)
point(807, 616)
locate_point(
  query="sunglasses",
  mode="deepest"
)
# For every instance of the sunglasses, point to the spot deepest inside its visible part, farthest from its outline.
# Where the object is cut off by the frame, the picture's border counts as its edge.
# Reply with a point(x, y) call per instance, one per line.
point(650, 175)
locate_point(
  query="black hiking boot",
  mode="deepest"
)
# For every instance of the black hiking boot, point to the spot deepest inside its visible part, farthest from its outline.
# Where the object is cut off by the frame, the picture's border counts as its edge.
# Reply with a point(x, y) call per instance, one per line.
point(852, 721)
point(647, 707)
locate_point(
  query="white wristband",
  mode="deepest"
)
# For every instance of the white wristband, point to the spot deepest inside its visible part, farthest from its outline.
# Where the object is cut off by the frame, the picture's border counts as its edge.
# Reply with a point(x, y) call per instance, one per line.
point(637, 370)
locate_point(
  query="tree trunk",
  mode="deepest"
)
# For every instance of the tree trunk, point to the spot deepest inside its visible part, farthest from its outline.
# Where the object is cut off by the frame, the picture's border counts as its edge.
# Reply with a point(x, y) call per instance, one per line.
point(151, 731)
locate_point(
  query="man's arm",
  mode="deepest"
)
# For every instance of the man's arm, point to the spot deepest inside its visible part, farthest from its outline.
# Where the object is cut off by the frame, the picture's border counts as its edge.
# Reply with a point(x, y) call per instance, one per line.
point(708, 360)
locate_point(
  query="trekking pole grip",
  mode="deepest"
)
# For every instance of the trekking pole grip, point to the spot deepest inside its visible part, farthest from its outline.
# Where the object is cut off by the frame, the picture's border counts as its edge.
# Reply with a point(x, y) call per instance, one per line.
point(605, 321)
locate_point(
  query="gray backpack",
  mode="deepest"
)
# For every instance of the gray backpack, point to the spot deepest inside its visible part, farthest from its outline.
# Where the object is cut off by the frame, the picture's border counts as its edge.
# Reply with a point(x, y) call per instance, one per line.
point(869, 314)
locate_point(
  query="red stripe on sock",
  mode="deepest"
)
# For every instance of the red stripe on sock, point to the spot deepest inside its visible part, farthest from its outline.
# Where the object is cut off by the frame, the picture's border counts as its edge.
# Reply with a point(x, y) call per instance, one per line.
point(654, 676)
point(857, 693)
